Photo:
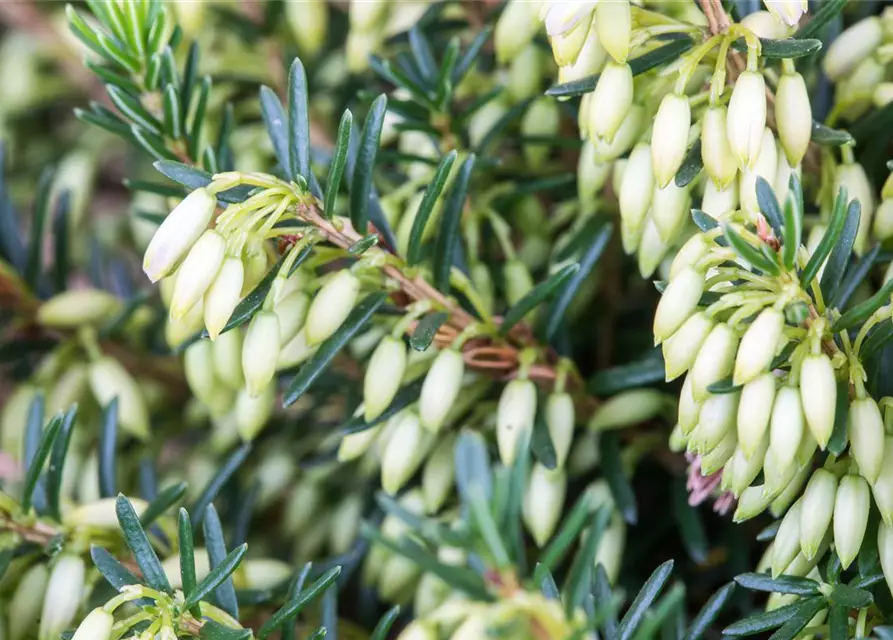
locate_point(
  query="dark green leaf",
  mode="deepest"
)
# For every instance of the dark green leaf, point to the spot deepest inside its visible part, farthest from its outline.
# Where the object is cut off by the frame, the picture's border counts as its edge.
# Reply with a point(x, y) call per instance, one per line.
point(793, 228)
point(139, 545)
point(35, 463)
point(863, 311)
point(878, 337)
point(293, 608)
point(426, 329)
point(39, 217)
point(750, 253)
point(430, 529)
point(308, 373)
point(548, 587)
point(384, 625)
point(781, 584)
point(224, 593)
point(133, 110)
point(361, 183)
point(799, 620)
point(115, 573)
point(421, 51)
point(472, 465)
point(850, 597)
point(829, 240)
point(362, 245)
point(215, 484)
point(407, 395)
point(221, 571)
point(298, 123)
point(193, 178)
point(61, 240)
point(57, 463)
point(445, 73)
point(838, 441)
point(541, 442)
point(471, 55)
point(426, 207)
point(643, 600)
point(827, 137)
point(840, 254)
point(867, 580)
point(636, 374)
point(289, 629)
point(760, 622)
point(277, 126)
point(709, 612)
point(883, 632)
point(215, 631)
point(187, 557)
point(152, 144)
point(723, 386)
point(838, 622)
point(694, 538)
point(619, 484)
point(602, 592)
point(769, 207)
point(788, 48)
point(662, 55)
point(198, 120)
point(485, 522)
point(339, 160)
point(691, 166)
point(539, 294)
point(108, 444)
point(577, 583)
point(704, 221)
point(827, 11)
point(162, 502)
point(173, 124)
point(854, 277)
point(448, 233)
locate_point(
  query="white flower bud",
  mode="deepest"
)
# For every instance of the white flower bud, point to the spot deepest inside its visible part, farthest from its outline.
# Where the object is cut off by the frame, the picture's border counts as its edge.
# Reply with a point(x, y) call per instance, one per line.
point(885, 551)
point(345, 523)
point(765, 25)
point(611, 100)
point(818, 391)
point(669, 140)
point(99, 514)
point(13, 419)
point(308, 22)
point(786, 545)
point(776, 474)
point(420, 629)
point(590, 60)
point(758, 346)
point(610, 548)
point(651, 248)
point(367, 15)
point(259, 351)
point(404, 452)
point(295, 352)
point(883, 486)
point(746, 468)
point(716, 419)
point(716, 202)
point(96, 626)
point(591, 173)
point(783, 173)
point(516, 27)
point(751, 503)
point(688, 255)
point(793, 116)
point(787, 11)
point(331, 306)
point(613, 20)
point(227, 357)
point(626, 136)
point(109, 380)
point(518, 281)
point(438, 475)
point(786, 425)
point(713, 461)
point(197, 272)
point(817, 509)
point(852, 176)
point(757, 399)
point(198, 366)
point(678, 303)
point(543, 502)
point(560, 418)
point(716, 154)
point(441, 388)
point(628, 408)
point(566, 46)
point(883, 221)
point(178, 233)
point(77, 307)
point(791, 492)
point(766, 167)
point(253, 411)
point(681, 349)
point(715, 359)
point(866, 432)
point(223, 295)
point(514, 417)
point(26, 602)
point(560, 16)
point(383, 376)
point(670, 209)
point(851, 506)
point(746, 119)
point(636, 188)
point(524, 82)
point(542, 119)
point(69, 389)
point(851, 47)
point(63, 596)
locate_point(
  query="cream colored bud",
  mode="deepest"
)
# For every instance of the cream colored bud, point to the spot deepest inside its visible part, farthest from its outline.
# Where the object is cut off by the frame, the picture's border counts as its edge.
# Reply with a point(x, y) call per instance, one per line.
point(344, 524)
point(518, 281)
point(791, 492)
point(295, 352)
point(109, 380)
point(26, 602)
point(852, 46)
point(786, 426)
point(420, 629)
point(591, 173)
point(758, 346)
point(404, 452)
point(818, 507)
point(786, 545)
point(63, 596)
point(524, 82)
point(689, 254)
point(198, 366)
point(628, 408)
point(611, 547)
point(223, 295)
point(99, 514)
point(77, 307)
point(177, 331)
point(197, 272)
point(256, 264)
point(611, 100)
point(69, 389)
point(543, 502)
point(851, 506)
point(669, 140)
point(636, 188)
point(441, 388)
point(765, 25)
point(751, 503)
point(383, 376)
point(438, 475)
point(178, 233)
point(561, 17)
point(368, 15)
point(626, 136)
point(309, 24)
point(227, 357)
point(678, 303)
point(885, 551)
point(783, 173)
point(766, 167)
point(514, 417)
point(259, 351)
point(670, 208)
point(590, 60)
point(818, 392)
point(651, 250)
point(715, 359)
point(331, 306)
point(776, 474)
point(13, 419)
point(717, 203)
point(883, 486)
point(689, 409)
point(757, 400)
point(516, 27)
point(681, 349)
point(253, 411)
point(866, 432)
point(716, 420)
point(746, 118)
point(566, 46)
point(542, 119)
point(714, 460)
point(96, 626)
point(560, 419)
point(853, 177)
point(613, 20)
point(882, 229)
point(793, 116)
point(746, 468)
point(716, 154)
point(883, 95)
point(787, 11)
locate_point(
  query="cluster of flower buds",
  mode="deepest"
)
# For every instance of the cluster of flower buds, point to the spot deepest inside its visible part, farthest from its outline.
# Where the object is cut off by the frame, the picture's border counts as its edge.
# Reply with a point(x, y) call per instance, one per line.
point(47, 597)
point(371, 23)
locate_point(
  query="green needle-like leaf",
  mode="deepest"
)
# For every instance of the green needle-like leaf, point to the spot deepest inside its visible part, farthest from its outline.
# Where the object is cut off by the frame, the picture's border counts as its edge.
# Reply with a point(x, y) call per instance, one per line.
point(139, 545)
point(294, 607)
point(57, 462)
point(448, 231)
point(426, 207)
point(539, 294)
point(298, 122)
point(108, 441)
point(217, 575)
point(167, 498)
point(215, 484)
point(361, 183)
point(781, 584)
point(187, 556)
point(339, 161)
point(225, 592)
point(36, 462)
point(709, 612)
point(828, 241)
point(636, 612)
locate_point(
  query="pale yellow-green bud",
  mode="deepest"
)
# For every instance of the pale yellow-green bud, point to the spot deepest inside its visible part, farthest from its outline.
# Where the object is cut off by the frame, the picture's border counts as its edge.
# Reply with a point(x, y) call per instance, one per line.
point(525, 75)
point(817, 509)
point(227, 357)
point(291, 312)
point(516, 27)
point(689, 408)
point(885, 552)
point(757, 399)
point(766, 166)
point(883, 94)
point(714, 460)
point(776, 474)
point(566, 46)
point(851, 506)
point(383, 376)
point(669, 210)
point(783, 173)
point(198, 366)
point(62, 599)
point(256, 263)
point(758, 346)
point(852, 176)
point(367, 15)
point(176, 331)
point(14, 418)
point(543, 502)
point(678, 303)
point(851, 47)
point(178, 233)
point(99, 514)
point(77, 307)
point(765, 25)
point(591, 173)
point(96, 626)
point(26, 601)
point(398, 579)
point(791, 492)
point(689, 254)
point(518, 281)
point(628, 408)
point(421, 629)
point(746, 468)
point(866, 432)
point(589, 61)
point(718, 202)
point(746, 118)
point(678, 441)
point(560, 17)
point(787, 11)
point(786, 426)
point(613, 20)
point(793, 116)
point(626, 136)
point(295, 352)
point(611, 100)
point(302, 505)
point(751, 503)
point(259, 351)
point(441, 388)
point(636, 188)
point(438, 475)
point(715, 359)
point(331, 306)
point(482, 121)
point(309, 24)
point(681, 349)
point(514, 417)
point(68, 389)
point(223, 295)
point(345, 523)
point(818, 391)
point(716, 419)
point(197, 272)
point(716, 154)
point(109, 380)
point(786, 545)
point(652, 248)
point(882, 227)
point(669, 141)
point(542, 119)
point(883, 486)
point(404, 452)
point(254, 410)
point(560, 418)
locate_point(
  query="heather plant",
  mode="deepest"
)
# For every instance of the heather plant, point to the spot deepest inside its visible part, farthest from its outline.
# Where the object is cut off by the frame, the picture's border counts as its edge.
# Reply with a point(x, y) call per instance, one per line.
point(329, 318)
